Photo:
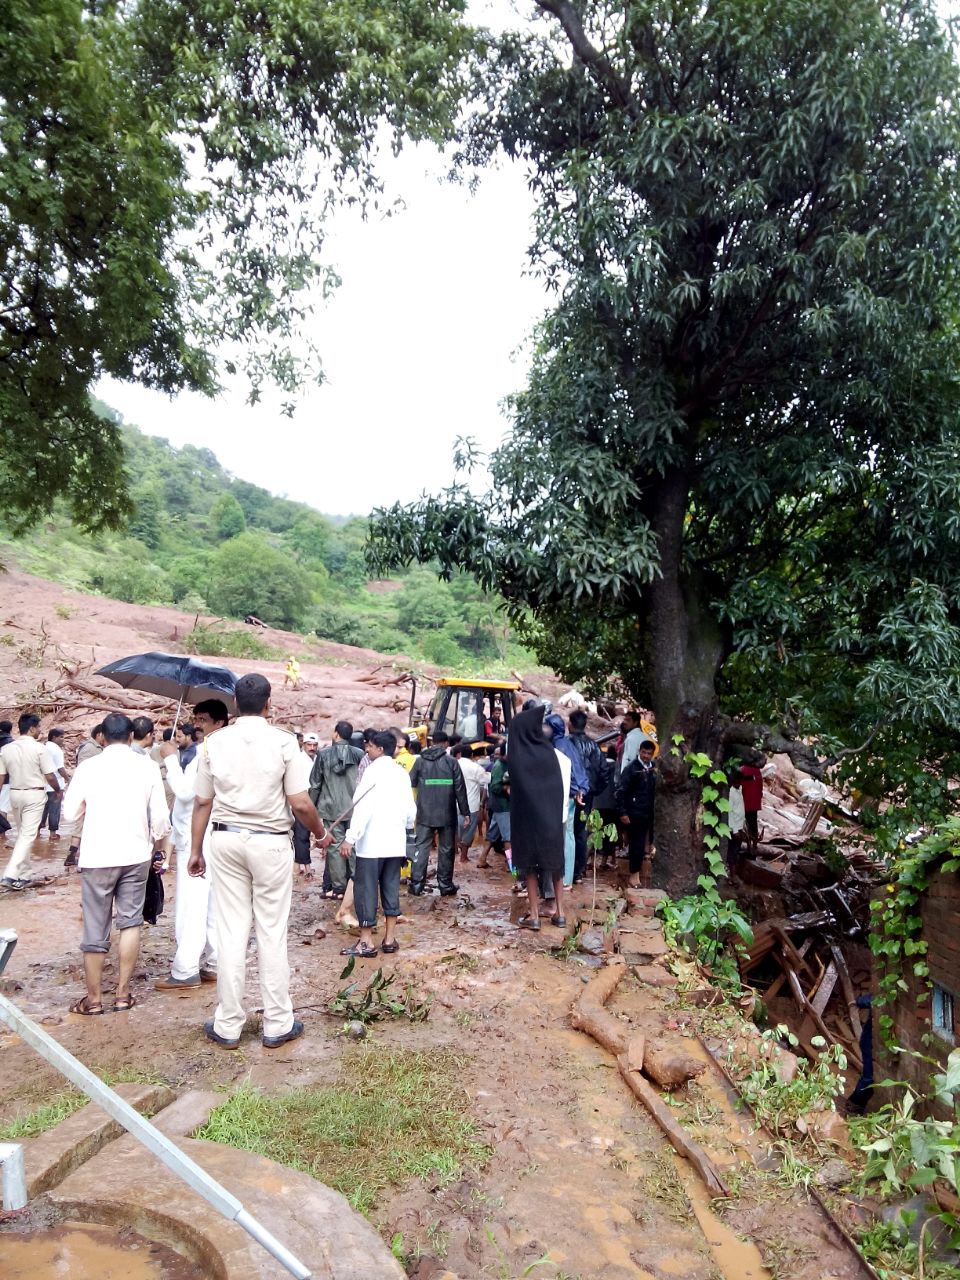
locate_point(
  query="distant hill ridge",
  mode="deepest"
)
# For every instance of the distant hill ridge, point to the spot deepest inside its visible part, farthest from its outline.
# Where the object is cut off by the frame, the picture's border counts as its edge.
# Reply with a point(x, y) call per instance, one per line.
point(203, 540)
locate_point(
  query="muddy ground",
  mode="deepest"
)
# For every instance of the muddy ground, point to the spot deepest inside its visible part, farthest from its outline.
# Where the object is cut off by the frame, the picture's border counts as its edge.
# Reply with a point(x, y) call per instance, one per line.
point(578, 1170)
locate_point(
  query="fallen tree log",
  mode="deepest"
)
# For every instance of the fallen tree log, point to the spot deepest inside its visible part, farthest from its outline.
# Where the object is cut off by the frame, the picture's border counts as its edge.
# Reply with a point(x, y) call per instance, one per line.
point(677, 1137)
point(590, 1016)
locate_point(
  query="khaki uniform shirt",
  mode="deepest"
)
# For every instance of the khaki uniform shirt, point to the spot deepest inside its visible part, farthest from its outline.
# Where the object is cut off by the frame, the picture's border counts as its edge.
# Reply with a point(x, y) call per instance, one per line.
point(248, 770)
point(25, 761)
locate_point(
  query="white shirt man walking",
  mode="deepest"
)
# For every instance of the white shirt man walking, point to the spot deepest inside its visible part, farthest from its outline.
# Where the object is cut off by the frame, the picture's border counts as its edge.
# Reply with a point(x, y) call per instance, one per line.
point(29, 768)
point(249, 779)
point(119, 795)
point(195, 960)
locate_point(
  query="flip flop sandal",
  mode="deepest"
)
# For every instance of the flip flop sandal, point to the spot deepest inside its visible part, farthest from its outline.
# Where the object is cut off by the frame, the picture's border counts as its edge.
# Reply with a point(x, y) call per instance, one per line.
point(87, 1009)
point(123, 1004)
point(362, 953)
point(528, 922)
point(388, 948)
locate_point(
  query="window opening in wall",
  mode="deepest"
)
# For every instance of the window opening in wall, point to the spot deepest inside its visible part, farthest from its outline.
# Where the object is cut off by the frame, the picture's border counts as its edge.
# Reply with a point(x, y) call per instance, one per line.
point(943, 1004)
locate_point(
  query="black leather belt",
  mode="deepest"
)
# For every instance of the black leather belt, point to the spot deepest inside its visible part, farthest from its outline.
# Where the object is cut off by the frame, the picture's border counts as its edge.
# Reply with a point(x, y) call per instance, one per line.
point(247, 831)
point(28, 788)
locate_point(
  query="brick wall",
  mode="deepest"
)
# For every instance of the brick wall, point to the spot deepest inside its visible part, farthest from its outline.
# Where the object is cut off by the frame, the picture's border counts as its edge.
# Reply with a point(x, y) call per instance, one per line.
point(940, 911)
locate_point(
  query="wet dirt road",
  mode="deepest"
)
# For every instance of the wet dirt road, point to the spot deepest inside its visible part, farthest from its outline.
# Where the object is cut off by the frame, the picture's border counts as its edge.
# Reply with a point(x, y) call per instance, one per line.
point(581, 1180)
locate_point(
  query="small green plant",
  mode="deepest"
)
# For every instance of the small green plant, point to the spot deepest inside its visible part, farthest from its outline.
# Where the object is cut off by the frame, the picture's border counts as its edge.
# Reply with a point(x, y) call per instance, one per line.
point(907, 1151)
point(814, 1087)
point(893, 1254)
point(63, 611)
point(599, 833)
point(703, 924)
point(366, 1004)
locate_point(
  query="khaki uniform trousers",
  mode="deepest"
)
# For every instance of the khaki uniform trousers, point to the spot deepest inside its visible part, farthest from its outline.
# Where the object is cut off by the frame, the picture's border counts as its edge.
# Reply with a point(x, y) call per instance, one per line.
point(252, 881)
point(26, 810)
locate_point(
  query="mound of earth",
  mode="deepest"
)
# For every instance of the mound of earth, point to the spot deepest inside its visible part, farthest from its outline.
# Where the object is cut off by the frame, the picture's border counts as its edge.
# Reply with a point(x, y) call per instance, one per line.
point(52, 640)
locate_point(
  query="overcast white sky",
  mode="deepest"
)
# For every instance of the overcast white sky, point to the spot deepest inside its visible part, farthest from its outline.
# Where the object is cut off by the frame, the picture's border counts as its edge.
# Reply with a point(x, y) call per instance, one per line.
point(420, 344)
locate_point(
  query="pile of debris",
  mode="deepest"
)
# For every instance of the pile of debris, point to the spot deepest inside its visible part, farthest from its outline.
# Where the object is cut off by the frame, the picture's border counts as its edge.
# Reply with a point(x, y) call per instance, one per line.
point(800, 957)
point(810, 886)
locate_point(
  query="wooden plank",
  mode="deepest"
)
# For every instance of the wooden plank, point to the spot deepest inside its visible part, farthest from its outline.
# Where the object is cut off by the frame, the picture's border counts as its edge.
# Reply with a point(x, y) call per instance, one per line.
point(847, 986)
point(853, 1051)
point(825, 989)
point(794, 959)
point(777, 983)
point(678, 1138)
point(810, 821)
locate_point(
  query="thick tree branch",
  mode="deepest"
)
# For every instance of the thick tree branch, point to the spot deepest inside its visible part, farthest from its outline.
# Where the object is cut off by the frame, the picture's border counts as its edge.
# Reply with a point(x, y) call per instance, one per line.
point(593, 59)
point(774, 742)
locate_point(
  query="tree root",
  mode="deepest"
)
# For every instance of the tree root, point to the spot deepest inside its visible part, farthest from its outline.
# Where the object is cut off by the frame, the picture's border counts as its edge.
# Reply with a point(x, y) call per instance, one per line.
point(590, 1016)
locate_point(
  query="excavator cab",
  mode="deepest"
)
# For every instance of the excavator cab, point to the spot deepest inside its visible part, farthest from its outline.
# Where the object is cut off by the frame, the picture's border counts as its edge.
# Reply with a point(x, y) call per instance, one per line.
point(479, 711)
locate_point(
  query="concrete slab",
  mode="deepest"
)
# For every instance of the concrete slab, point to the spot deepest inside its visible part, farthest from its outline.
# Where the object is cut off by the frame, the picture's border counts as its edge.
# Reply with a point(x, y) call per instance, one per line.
point(51, 1156)
point(125, 1185)
point(190, 1111)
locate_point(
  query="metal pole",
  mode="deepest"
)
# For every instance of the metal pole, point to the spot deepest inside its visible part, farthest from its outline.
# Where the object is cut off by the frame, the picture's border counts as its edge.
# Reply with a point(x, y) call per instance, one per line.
point(14, 1175)
point(155, 1142)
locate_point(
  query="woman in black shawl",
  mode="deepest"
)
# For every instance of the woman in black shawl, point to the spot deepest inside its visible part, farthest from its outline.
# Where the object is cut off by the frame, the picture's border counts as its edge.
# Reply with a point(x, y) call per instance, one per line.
point(538, 806)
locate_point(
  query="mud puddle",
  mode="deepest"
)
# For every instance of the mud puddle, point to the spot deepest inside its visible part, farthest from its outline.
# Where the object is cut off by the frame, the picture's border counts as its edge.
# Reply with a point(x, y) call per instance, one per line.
point(86, 1251)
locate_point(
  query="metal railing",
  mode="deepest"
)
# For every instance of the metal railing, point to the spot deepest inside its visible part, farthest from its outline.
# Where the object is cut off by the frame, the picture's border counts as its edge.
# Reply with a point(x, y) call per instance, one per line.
point(156, 1143)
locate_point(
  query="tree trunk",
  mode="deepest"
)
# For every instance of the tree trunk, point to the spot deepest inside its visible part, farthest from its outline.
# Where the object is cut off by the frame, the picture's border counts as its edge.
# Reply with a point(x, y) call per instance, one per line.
point(684, 653)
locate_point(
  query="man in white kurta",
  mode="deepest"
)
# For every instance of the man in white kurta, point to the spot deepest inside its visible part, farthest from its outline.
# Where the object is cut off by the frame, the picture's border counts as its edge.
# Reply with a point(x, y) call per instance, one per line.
point(195, 927)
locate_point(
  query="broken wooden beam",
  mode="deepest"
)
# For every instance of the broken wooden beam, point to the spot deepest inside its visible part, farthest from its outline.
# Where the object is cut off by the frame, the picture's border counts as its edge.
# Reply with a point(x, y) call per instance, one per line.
point(681, 1142)
point(821, 997)
point(590, 1016)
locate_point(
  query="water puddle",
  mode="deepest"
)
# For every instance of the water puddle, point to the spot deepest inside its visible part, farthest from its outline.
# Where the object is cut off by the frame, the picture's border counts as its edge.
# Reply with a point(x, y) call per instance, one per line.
point(87, 1251)
point(735, 1259)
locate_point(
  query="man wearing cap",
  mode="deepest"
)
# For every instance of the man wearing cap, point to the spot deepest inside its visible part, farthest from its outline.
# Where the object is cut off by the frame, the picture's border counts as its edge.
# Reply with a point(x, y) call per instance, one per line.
point(27, 764)
point(301, 835)
point(248, 781)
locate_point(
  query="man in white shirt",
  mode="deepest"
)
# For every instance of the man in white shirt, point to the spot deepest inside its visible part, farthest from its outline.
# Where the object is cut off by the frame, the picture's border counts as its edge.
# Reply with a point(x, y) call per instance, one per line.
point(27, 765)
point(633, 737)
point(51, 808)
point(477, 780)
point(383, 809)
point(195, 927)
point(119, 795)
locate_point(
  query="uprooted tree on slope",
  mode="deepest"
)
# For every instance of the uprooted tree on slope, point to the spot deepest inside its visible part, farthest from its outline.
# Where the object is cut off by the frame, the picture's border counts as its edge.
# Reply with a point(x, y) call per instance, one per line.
point(166, 172)
point(733, 470)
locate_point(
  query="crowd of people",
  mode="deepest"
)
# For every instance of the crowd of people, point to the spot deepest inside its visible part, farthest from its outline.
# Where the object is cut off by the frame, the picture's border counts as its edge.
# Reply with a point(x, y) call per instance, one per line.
point(242, 804)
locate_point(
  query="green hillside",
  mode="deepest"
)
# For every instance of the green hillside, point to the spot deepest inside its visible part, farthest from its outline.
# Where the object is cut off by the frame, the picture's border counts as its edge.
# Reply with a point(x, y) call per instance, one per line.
point(205, 541)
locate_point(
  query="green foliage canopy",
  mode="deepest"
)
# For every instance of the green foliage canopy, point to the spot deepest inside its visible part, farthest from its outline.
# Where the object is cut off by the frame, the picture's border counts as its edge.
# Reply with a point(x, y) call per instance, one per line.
point(248, 575)
point(740, 430)
point(166, 173)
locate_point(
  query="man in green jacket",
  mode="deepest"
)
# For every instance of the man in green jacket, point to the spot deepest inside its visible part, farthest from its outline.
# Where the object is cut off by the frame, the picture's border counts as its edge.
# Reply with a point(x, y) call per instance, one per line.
point(438, 782)
point(333, 780)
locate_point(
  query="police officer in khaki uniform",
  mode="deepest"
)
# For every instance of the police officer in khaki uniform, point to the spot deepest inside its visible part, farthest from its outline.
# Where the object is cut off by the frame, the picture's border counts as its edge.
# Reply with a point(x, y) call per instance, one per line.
point(249, 778)
point(29, 767)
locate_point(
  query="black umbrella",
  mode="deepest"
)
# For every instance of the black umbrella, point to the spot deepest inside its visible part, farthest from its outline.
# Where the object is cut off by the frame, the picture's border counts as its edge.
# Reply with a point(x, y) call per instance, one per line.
point(172, 675)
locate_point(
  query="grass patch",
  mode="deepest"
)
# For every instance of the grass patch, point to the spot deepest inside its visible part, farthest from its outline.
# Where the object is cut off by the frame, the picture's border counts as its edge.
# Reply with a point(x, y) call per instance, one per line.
point(219, 642)
point(44, 1117)
point(393, 1115)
